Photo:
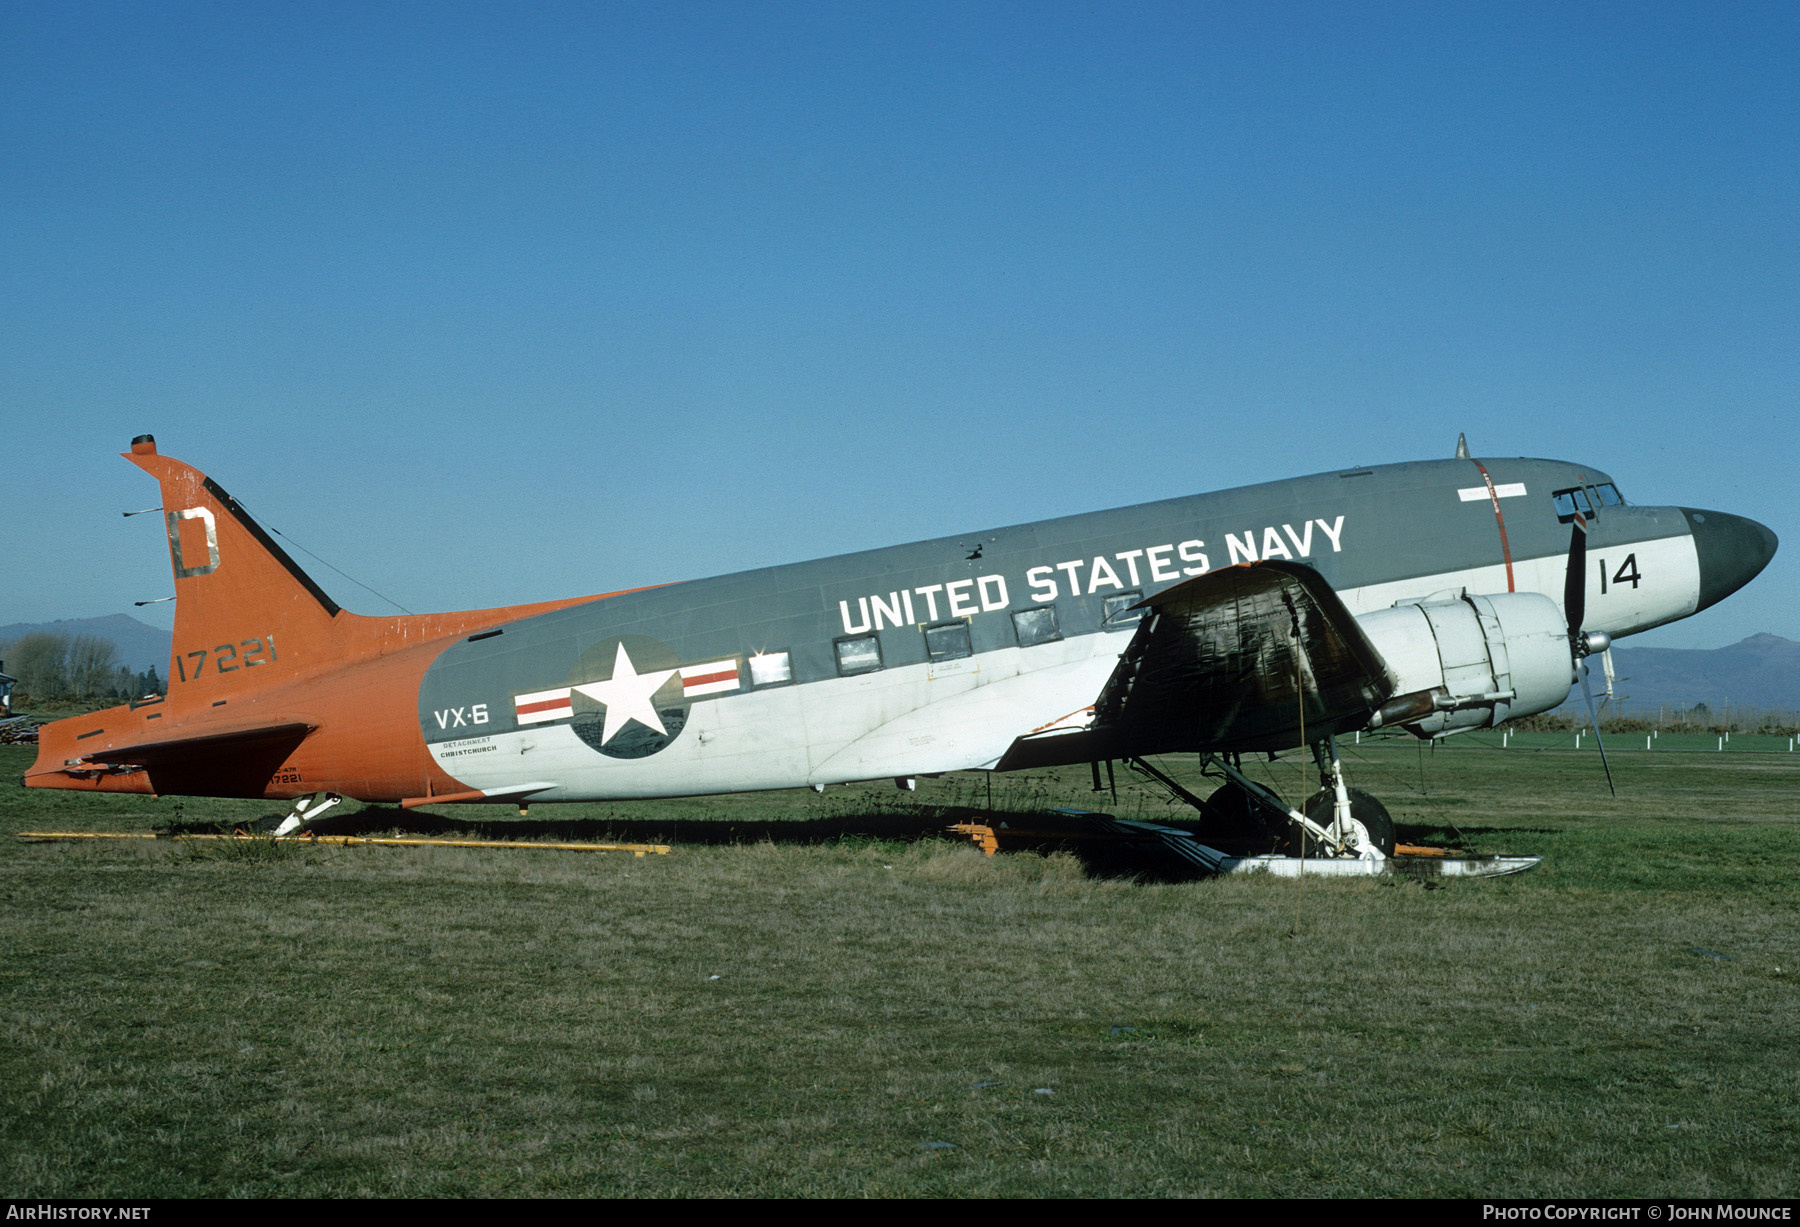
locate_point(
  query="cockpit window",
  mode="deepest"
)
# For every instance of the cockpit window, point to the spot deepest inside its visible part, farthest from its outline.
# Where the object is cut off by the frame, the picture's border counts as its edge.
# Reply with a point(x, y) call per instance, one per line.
point(1568, 502)
point(1582, 499)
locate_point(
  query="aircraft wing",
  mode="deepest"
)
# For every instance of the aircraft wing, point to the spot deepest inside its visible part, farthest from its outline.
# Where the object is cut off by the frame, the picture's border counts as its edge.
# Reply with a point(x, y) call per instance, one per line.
point(1221, 662)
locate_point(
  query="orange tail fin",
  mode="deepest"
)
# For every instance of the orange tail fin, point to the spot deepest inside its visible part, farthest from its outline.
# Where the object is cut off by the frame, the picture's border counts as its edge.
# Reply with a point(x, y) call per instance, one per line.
point(245, 613)
point(241, 604)
point(262, 660)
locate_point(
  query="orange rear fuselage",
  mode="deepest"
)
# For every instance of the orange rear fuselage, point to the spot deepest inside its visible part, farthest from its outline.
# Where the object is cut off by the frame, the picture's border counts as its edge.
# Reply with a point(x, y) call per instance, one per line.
point(274, 691)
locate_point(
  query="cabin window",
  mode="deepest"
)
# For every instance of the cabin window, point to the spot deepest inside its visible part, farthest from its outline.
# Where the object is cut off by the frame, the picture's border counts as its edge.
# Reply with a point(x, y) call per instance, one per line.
point(771, 669)
point(1119, 611)
point(858, 654)
point(948, 641)
point(1034, 626)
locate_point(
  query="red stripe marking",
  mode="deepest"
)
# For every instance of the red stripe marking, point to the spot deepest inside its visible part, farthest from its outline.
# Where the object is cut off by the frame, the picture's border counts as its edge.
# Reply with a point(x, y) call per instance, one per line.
point(1494, 498)
point(728, 675)
point(526, 709)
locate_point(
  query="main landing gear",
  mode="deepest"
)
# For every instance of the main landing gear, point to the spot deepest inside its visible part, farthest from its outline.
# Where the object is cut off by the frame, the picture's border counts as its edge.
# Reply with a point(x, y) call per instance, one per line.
point(1244, 818)
point(1245, 827)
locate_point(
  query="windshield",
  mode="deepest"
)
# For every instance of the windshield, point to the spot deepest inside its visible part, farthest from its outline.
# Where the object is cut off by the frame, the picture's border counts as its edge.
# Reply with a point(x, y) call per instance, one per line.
point(1582, 499)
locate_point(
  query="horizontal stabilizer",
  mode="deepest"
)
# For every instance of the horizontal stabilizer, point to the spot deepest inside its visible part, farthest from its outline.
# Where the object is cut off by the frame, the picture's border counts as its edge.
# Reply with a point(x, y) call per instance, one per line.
point(213, 762)
point(209, 744)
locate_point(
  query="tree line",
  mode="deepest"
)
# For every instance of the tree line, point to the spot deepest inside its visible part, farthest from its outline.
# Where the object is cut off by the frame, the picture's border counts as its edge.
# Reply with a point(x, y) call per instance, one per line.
point(48, 666)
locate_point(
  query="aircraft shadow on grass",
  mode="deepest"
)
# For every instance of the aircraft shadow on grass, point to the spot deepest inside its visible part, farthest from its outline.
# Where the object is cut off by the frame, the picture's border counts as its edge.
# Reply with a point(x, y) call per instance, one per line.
point(1022, 831)
point(1108, 858)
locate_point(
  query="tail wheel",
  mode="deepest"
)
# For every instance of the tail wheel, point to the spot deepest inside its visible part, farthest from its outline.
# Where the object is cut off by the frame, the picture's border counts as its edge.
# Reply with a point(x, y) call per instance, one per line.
point(1364, 809)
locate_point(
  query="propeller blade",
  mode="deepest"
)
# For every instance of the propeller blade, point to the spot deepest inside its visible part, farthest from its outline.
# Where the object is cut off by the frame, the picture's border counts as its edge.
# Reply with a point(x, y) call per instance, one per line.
point(1587, 693)
point(1575, 578)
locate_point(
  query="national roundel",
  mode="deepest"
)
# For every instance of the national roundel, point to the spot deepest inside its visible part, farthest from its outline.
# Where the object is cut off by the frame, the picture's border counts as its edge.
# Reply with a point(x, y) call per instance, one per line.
point(627, 697)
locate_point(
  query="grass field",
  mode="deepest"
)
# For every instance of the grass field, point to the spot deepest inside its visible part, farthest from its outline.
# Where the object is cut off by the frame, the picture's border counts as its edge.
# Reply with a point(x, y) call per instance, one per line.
point(818, 995)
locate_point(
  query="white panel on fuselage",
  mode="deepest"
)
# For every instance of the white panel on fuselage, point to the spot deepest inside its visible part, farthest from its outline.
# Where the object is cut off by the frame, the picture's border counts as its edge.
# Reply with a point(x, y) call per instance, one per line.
point(975, 726)
point(1668, 586)
point(914, 719)
point(743, 743)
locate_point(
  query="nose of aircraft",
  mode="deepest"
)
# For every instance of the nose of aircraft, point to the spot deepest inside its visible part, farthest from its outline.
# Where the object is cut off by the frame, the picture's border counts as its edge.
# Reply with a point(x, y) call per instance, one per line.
point(1732, 551)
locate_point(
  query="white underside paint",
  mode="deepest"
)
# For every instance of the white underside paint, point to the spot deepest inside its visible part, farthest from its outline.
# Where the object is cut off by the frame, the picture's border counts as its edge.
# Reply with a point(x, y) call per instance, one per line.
point(959, 715)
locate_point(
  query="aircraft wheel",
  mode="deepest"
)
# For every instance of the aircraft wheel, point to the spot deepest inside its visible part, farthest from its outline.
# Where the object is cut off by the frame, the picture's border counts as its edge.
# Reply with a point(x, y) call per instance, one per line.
point(1232, 822)
point(1363, 808)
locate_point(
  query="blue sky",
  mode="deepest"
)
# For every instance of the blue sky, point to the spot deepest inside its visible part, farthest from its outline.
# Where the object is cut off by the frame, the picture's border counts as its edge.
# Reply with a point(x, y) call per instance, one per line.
point(491, 303)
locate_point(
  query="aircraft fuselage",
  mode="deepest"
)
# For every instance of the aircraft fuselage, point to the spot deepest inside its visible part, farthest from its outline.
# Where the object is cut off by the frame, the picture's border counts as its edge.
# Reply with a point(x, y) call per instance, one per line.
point(1027, 623)
point(906, 661)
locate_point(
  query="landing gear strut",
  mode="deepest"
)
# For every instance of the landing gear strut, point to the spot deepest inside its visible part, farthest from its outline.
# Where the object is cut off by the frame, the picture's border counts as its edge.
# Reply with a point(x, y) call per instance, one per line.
point(1247, 828)
point(1353, 814)
point(1338, 822)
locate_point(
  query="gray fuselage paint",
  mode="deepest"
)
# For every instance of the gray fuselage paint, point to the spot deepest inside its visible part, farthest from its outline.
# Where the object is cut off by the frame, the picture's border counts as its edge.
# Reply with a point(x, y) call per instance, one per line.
point(1382, 525)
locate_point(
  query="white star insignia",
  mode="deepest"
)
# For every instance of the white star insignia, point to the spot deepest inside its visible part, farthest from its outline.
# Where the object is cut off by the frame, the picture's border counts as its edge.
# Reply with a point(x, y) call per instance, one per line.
point(627, 696)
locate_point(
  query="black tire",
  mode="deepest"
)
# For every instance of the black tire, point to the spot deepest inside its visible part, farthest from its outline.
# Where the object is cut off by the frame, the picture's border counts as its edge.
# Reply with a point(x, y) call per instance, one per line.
point(1363, 808)
point(1232, 822)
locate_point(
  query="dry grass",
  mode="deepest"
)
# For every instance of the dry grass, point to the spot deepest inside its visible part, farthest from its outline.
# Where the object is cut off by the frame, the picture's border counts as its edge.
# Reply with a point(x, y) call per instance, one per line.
point(781, 1017)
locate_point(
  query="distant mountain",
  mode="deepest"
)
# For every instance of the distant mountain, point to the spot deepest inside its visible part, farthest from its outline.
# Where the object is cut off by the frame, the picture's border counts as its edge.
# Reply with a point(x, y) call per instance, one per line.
point(1763, 671)
point(139, 646)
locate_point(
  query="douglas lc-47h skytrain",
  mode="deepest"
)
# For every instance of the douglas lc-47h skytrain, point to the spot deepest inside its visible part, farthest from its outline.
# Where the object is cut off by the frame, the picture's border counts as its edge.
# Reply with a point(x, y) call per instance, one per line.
point(1438, 596)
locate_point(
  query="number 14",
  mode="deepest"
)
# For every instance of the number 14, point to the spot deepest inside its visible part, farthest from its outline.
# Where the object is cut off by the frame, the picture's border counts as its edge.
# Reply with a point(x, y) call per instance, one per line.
point(1626, 574)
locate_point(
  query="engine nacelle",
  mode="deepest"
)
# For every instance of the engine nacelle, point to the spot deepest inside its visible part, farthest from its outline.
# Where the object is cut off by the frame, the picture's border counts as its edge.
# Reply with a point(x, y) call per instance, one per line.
point(1472, 661)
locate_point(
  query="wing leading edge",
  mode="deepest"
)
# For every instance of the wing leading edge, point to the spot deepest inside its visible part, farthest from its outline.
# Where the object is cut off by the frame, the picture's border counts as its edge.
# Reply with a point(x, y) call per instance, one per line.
point(1239, 659)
